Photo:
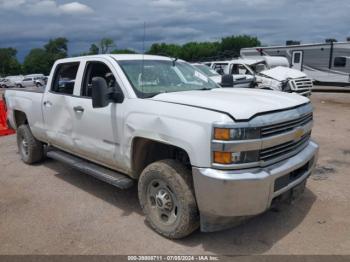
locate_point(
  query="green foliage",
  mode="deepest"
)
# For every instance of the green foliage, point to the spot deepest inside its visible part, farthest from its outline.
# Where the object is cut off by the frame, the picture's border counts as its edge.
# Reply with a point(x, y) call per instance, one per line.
point(56, 49)
point(94, 49)
point(172, 50)
point(194, 51)
point(235, 43)
point(228, 47)
point(123, 51)
point(40, 60)
point(9, 64)
point(36, 62)
point(106, 44)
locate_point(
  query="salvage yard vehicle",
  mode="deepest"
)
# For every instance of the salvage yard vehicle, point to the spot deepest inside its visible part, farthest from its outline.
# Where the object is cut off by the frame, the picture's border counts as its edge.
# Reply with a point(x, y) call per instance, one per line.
point(2, 80)
point(31, 81)
point(243, 81)
point(11, 81)
point(202, 156)
point(271, 73)
point(327, 63)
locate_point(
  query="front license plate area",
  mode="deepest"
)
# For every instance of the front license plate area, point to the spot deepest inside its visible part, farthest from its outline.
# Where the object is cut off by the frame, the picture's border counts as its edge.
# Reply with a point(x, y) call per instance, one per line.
point(298, 190)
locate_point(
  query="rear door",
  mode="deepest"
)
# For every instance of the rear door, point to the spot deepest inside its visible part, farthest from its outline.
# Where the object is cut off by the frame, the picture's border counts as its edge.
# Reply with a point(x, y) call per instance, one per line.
point(97, 131)
point(58, 103)
point(297, 60)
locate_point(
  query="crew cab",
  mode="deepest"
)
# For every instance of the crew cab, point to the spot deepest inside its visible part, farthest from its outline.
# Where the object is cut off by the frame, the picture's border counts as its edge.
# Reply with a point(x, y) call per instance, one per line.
point(201, 155)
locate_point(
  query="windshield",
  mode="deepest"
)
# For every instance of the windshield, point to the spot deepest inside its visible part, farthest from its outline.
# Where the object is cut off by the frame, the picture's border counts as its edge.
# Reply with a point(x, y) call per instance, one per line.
point(152, 77)
point(207, 70)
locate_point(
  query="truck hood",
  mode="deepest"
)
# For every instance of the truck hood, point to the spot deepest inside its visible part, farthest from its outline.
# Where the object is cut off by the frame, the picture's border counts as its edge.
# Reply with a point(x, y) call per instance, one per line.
point(281, 73)
point(240, 103)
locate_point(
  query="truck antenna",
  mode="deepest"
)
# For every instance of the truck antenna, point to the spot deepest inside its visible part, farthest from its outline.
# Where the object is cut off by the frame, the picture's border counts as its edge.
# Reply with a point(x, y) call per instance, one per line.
point(143, 55)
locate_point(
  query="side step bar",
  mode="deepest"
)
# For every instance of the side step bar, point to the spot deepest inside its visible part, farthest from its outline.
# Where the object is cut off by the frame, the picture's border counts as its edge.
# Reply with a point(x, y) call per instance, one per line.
point(107, 175)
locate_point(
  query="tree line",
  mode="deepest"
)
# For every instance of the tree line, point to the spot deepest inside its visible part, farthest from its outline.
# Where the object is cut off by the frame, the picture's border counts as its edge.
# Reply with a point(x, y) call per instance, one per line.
point(40, 60)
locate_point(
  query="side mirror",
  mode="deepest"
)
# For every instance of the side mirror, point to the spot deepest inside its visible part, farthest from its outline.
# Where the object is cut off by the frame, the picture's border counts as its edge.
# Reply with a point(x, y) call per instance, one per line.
point(227, 81)
point(102, 95)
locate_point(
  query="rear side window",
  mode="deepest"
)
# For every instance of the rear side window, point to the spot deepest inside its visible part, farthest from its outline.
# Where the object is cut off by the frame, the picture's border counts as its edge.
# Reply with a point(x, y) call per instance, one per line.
point(340, 61)
point(64, 78)
point(220, 68)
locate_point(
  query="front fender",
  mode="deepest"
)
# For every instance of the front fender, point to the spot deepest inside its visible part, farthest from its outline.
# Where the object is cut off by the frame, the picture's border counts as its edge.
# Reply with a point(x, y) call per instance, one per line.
point(186, 127)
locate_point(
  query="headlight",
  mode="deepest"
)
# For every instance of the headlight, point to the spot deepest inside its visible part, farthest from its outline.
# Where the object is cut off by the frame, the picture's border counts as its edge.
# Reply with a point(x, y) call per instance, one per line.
point(223, 135)
point(227, 158)
point(226, 134)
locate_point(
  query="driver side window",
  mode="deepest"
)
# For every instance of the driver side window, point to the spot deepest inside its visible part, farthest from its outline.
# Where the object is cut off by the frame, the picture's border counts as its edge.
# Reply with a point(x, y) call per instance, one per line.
point(97, 69)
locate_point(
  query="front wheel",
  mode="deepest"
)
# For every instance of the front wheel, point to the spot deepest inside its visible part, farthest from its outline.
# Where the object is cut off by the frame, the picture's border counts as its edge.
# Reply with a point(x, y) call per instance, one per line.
point(167, 198)
point(30, 149)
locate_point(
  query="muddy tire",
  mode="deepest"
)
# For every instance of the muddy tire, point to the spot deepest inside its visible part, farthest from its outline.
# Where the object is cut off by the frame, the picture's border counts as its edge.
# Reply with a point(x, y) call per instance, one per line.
point(30, 149)
point(167, 198)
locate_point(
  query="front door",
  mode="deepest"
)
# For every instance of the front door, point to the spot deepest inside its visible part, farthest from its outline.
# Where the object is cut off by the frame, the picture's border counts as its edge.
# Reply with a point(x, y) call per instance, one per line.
point(297, 60)
point(97, 131)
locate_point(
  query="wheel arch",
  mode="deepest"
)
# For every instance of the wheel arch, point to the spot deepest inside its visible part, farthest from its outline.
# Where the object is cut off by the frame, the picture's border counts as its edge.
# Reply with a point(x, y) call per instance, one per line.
point(20, 118)
point(145, 151)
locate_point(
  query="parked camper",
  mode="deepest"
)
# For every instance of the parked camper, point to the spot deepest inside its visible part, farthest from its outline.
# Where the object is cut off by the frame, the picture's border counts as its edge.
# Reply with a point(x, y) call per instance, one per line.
point(270, 73)
point(325, 62)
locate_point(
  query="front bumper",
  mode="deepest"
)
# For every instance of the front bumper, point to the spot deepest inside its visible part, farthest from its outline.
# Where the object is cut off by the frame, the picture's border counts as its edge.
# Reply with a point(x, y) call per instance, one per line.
point(226, 194)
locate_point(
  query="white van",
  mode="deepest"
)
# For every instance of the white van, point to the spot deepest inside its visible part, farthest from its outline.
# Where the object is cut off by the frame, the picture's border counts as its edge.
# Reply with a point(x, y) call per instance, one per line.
point(11, 81)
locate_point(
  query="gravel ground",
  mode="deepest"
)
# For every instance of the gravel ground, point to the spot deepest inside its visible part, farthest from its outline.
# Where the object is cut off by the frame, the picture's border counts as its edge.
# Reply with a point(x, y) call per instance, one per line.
point(52, 209)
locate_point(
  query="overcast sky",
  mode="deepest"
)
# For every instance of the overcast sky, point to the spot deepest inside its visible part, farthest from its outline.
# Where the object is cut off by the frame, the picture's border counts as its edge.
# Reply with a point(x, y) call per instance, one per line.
point(25, 24)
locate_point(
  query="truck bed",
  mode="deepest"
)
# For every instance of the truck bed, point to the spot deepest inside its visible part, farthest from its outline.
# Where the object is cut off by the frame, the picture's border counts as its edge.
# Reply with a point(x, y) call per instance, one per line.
point(29, 89)
point(28, 100)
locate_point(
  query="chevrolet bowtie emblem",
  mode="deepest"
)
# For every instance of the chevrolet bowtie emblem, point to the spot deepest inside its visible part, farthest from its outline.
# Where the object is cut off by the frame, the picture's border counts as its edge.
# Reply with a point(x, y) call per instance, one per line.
point(298, 133)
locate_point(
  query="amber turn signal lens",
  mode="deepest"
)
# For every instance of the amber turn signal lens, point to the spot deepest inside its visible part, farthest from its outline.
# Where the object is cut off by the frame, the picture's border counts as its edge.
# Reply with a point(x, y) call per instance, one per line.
point(222, 158)
point(222, 133)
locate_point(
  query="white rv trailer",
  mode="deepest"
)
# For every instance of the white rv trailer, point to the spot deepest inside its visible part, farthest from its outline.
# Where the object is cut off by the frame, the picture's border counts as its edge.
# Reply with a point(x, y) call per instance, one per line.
point(325, 62)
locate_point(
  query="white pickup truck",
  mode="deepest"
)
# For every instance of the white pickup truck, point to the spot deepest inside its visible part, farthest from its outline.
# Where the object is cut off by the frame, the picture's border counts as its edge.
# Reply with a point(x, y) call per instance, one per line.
point(202, 156)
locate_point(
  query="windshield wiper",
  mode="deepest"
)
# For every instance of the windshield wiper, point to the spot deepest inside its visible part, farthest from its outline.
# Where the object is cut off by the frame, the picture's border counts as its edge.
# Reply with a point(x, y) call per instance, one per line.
point(204, 89)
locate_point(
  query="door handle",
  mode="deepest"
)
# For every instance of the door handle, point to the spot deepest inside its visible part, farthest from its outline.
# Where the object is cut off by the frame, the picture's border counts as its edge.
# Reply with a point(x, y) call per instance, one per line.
point(78, 109)
point(47, 103)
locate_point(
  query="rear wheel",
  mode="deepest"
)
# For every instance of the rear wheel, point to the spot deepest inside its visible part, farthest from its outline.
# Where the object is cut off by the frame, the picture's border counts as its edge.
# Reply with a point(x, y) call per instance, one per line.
point(30, 149)
point(167, 198)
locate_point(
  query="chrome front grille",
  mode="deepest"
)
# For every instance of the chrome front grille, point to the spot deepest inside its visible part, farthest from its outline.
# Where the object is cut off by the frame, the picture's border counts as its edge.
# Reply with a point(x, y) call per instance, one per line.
point(284, 127)
point(275, 142)
point(284, 149)
point(301, 85)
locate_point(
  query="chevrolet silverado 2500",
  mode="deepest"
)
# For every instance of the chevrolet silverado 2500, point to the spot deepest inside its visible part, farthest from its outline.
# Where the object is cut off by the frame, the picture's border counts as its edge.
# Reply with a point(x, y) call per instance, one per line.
point(202, 156)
